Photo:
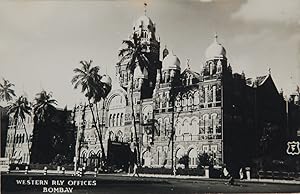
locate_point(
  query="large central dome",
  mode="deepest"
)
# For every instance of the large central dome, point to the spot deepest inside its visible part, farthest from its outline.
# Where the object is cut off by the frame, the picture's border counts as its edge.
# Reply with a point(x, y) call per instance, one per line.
point(215, 50)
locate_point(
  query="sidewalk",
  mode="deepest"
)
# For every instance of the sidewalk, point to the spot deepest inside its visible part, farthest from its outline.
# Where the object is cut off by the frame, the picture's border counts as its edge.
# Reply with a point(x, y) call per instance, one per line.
point(162, 176)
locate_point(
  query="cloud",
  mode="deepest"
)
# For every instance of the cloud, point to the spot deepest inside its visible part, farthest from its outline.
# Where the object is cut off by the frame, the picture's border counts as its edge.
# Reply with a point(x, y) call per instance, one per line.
point(269, 11)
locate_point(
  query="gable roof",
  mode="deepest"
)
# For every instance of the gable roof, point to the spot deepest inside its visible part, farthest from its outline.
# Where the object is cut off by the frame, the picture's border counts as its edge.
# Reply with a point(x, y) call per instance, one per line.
point(194, 73)
point(258, 81)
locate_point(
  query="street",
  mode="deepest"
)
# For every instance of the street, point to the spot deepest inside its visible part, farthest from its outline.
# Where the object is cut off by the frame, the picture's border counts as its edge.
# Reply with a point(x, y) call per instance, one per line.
point(121, 183)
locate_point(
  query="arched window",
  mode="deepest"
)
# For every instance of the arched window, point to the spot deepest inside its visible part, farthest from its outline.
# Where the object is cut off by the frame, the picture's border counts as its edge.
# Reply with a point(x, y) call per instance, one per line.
point(119, 136)
point(110, 120)
point(164, 76)
point(179, 154)
point(18, 139)
point(160, 100)
point(211, 68)
point(160, 126)
point(121, 119)
point(186, 126)
point(214, 122)
point(191, 79)
point(92, 159)
point(146, 159)
point(184, 100)
point(190, 100)
point(196, 98)
point(194, 128)
point(178, 131)
point(214, 93)
point(193, 157)
point(111, 136)
point(205, 123)
point(205, 94)
point(118, 120)
point(113, 120)
point(178, 101)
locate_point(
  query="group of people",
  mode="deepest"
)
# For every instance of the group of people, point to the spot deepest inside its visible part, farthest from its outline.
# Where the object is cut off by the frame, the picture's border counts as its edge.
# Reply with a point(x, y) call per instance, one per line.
point(227, 175)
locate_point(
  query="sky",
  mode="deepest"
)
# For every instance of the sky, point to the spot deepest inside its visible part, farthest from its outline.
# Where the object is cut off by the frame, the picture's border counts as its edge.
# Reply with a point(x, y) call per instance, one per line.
point(42, 41)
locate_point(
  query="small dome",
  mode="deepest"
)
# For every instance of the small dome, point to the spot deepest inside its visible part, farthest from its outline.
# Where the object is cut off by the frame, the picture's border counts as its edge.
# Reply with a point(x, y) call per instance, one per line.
point(106, 79)
point(138, 73)
point(171, 62)
point(143, 22)
point(215, 50)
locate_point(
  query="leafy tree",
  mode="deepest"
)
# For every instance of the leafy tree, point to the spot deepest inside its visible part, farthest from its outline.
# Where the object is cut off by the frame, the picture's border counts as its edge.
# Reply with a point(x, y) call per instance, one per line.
point(19, 109)
point(94, 88)
point(133, 55)
point(204, 159)
point(185, 161)
point(44, 106)
point(6, 93)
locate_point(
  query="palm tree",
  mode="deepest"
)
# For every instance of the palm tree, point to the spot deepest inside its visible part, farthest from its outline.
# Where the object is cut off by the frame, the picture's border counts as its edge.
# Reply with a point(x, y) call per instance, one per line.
point(44, 106)
point(43, 109)
point(6, 93)
point(133, 55)
point(19, 109)
point(94, 89)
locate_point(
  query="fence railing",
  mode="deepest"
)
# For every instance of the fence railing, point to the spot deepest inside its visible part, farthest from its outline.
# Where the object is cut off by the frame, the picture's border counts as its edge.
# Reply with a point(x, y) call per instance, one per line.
point(278, 175)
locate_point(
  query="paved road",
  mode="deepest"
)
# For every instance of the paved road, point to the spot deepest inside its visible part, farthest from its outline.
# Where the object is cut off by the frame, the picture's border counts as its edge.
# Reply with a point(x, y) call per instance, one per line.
point(132, 185)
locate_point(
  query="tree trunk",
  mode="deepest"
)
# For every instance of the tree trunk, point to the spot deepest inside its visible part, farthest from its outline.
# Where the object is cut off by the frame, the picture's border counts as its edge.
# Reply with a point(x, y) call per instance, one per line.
point(98, 132)
point(13, 148)
point(134, 126)
point(80, 136)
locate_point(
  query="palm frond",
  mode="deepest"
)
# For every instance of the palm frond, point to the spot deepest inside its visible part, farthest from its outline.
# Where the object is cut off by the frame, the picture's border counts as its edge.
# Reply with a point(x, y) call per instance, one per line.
point(129, 43)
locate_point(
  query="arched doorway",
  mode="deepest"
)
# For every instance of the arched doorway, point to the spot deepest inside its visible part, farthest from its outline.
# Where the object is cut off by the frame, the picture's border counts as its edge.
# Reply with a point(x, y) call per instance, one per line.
point(146, 159)
point(92, 160)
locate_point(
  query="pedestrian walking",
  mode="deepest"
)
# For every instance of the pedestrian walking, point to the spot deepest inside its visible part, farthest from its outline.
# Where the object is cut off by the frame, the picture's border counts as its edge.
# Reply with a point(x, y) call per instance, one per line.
point(241, 174)
point(135, 170)
point(225, 172)
point(228, 176)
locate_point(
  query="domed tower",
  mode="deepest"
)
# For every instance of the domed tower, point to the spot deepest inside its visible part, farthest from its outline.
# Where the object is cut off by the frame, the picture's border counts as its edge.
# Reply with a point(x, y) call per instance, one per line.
point(170, 69)
point(145, 39)
point(215, 59)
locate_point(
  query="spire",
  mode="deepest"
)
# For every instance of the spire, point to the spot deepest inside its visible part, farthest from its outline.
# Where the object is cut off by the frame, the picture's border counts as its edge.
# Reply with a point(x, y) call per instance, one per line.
point(269, 70)
point(145, 8)
point(216, 37)
point(188, 64)
point(165, 52)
